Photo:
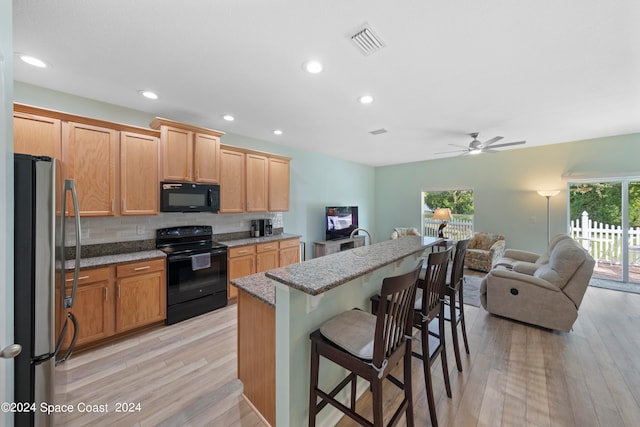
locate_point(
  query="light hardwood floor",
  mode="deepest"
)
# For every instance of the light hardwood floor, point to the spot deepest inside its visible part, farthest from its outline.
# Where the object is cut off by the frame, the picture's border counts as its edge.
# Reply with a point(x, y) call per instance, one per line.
point(516, 374)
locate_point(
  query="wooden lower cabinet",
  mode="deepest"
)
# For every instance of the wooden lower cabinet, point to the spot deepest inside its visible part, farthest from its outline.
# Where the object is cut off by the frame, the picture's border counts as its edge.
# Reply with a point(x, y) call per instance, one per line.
point(246, 260)
point(141, 294)
point(115, 299)
point(92, 307)
point(241, 262)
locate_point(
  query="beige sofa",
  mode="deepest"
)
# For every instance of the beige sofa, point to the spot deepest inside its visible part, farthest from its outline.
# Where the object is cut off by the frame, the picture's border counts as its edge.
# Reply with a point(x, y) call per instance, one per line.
point(550, 296)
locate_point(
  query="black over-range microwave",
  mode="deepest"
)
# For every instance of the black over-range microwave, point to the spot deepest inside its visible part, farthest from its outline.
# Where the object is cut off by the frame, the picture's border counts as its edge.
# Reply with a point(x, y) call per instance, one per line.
point(189, 197)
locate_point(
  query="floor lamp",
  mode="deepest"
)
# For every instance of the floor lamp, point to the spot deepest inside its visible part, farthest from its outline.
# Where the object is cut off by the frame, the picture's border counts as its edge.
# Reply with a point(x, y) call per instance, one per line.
point(548, 194)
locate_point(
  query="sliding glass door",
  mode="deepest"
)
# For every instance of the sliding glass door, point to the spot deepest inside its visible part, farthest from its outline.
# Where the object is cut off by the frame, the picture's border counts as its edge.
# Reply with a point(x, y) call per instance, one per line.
point(605, 218)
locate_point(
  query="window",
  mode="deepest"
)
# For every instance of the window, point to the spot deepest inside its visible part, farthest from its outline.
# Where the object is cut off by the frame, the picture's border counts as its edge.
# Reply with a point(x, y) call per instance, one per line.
point(460, 202)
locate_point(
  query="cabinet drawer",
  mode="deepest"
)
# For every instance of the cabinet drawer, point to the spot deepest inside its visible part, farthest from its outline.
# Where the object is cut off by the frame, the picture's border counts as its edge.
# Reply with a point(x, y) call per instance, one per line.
point(140, 267)
point(241, 251)
point(89, 276)
point(265, 247)
point(289, 243)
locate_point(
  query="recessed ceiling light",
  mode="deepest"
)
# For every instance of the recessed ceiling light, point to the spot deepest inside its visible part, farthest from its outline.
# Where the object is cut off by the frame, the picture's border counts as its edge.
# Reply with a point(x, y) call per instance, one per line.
point(32, 60)
point(277, 132)
point(365, 99)
point(148, 94)
point(228, 117)
point(313, 67)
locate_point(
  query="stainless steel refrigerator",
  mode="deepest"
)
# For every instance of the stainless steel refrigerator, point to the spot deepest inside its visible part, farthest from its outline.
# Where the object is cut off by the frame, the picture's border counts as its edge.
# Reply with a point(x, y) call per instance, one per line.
point(39, 252)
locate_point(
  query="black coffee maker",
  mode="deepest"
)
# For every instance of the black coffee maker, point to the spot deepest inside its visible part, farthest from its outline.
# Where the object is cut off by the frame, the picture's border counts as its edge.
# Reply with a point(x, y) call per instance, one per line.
point(265, 227)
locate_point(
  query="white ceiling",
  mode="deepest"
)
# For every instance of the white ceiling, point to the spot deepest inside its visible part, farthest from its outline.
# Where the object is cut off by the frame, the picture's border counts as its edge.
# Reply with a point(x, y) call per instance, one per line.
point(547, 71)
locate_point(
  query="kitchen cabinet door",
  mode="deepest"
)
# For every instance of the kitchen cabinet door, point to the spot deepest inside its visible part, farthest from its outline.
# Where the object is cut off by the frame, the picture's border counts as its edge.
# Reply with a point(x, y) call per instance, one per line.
point(257, 182)
point(90, 159)
point(206, 158)
point(37, 135)
point(241, 261)
point(267, 256)
point(232, 181)
point(278, 185)
point(139, 186)
point(93, 306)
point(141, 294)
point(289, 252)
point(177, 153)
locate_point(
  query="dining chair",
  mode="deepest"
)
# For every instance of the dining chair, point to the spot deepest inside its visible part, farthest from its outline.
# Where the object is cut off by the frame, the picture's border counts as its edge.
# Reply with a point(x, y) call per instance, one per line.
point(428, 307)
point(368, 346)
point(454, 311)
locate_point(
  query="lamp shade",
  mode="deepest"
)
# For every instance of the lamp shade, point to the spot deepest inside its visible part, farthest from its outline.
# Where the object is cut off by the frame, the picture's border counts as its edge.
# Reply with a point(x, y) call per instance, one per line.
point(548, 193)
point(443, 214)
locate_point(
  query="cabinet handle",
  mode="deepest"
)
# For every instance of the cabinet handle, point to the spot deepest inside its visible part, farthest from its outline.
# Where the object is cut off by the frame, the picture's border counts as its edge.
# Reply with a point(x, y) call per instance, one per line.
point(118, 291)
point(124, 205)
point(113, 203)
point(79, 278)
point(142, 268)
point(189, 175)
point(106, 295)
point(244, 251)
point(197, 174)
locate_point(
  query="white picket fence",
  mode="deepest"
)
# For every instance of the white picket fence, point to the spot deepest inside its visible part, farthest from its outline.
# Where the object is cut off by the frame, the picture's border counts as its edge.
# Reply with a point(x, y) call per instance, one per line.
point(456, 230)
point(604, 241)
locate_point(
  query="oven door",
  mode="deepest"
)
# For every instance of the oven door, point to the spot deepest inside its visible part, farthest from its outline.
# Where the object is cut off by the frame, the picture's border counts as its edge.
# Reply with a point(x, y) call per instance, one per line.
point(184, 283)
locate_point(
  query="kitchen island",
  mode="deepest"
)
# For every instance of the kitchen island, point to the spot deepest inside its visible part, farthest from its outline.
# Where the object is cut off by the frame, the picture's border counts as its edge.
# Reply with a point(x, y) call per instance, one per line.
point(279, 309)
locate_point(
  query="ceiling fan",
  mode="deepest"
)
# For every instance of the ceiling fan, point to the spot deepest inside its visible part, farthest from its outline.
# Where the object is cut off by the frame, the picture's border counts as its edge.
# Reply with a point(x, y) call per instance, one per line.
point(477, 147)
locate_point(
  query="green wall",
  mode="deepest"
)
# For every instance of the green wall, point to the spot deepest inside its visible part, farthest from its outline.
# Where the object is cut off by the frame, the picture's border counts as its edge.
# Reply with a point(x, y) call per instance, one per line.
point(505, 185)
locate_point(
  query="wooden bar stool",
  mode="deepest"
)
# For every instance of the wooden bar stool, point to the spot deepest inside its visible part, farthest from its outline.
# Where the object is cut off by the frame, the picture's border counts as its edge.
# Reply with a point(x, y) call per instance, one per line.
point(429, 306)
point(455, 312)
point(368, 346)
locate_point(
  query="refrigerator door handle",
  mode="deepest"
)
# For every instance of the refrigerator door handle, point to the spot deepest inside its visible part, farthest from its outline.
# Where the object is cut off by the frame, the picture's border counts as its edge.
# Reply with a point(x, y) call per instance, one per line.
point(67, 355)
point(70, 186)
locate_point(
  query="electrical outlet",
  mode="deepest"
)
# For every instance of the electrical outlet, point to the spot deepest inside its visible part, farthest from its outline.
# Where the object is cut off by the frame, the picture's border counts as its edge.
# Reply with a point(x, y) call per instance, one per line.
point(140, 229)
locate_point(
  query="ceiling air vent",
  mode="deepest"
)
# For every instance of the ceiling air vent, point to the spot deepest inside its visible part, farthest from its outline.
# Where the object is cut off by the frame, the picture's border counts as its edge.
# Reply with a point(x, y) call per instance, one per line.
point(378, 131)
point(367, 41)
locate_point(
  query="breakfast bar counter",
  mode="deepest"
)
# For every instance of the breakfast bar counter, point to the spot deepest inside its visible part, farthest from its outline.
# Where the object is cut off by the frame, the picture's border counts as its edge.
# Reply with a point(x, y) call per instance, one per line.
point(278, 310)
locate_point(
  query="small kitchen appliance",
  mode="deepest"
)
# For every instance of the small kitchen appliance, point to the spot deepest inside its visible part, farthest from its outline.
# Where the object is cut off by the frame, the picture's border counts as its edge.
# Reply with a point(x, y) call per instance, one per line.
point(265, 227)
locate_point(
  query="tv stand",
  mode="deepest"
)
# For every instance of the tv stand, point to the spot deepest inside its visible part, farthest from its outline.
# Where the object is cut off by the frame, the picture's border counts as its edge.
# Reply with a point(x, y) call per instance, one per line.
point(327, 247)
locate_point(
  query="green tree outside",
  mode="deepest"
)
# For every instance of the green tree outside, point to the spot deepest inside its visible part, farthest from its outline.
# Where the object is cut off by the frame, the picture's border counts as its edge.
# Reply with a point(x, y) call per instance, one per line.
point(603, 202)
point(459, 201)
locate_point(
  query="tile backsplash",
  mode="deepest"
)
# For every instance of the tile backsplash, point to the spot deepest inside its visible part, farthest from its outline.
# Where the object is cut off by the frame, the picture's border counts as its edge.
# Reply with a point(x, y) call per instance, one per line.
point(127, 228)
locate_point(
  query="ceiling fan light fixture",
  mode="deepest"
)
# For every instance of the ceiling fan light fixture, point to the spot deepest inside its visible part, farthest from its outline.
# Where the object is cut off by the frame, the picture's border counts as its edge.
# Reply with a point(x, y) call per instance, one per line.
point(475, 151)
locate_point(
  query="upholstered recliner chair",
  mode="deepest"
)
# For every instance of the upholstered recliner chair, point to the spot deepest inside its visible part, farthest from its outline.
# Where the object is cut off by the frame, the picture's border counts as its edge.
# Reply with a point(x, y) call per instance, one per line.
point(550, 297)
point(525, 261)
point(484, 250)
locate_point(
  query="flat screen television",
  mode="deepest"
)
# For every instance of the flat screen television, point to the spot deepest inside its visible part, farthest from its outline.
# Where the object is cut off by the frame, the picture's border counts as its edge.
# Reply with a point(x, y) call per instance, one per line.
point(340, 221)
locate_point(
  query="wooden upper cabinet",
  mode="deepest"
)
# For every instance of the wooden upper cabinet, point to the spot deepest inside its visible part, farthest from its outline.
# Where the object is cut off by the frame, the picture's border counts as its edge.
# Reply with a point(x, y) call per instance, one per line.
point(189, 153)
point(257, 182)
point(89, 153)
point(177, 153)
point(278, 185)
point(232, 181)
point(138, 174)
point(206, 158)
point(37, 135)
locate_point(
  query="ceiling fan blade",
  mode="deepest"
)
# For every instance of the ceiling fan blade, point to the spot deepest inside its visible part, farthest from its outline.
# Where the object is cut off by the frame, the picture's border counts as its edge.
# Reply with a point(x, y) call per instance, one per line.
point(459, 146)
point(449, 152)
point(508, 144)
point(492, 140)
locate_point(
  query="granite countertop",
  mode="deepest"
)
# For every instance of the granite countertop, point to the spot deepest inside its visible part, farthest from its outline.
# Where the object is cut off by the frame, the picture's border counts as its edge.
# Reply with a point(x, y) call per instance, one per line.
point(256, 240)
point(321, 274)
point(258, 285)
point(101, 261)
